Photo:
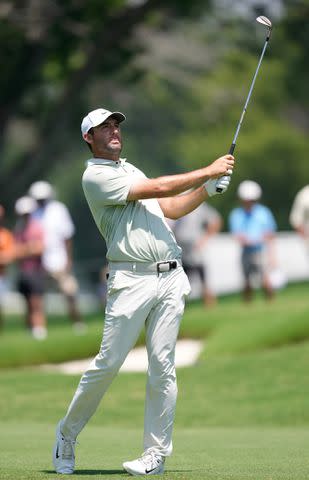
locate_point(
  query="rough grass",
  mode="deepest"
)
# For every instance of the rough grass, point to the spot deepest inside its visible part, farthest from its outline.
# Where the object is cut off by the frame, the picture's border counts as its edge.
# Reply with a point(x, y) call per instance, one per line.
point(264, 388)
point(230, 327)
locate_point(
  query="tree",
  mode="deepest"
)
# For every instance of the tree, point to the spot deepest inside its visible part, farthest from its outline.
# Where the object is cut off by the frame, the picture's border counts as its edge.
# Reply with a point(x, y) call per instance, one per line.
point(52, 49)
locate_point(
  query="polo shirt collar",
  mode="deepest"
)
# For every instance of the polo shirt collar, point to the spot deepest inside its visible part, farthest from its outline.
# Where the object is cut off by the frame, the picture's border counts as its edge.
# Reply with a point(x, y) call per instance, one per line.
point(105, 161)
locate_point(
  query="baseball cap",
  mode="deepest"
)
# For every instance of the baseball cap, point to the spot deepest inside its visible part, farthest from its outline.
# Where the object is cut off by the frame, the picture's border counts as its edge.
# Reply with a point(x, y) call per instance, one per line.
point(98, 116)
point(41, 190)
point(25, 205)
point(249, 190)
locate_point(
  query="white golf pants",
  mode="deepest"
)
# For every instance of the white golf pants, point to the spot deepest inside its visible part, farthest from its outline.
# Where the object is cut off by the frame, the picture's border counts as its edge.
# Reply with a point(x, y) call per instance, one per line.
point(135, 300)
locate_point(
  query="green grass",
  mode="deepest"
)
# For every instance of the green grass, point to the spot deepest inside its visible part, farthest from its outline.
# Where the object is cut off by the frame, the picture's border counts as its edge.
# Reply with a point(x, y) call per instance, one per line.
point(242, 410)
point(230, 327)
point(238, 417)
point(269, 388)
point(200, 453)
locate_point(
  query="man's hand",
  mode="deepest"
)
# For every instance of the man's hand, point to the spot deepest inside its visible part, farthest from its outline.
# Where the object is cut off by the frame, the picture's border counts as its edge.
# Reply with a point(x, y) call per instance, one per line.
point(213, 184)
point(222, 166)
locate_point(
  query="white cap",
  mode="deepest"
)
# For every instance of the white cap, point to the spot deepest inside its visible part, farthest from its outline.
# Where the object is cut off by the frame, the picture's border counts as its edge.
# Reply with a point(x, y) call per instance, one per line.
point(98, 116)
point(41, 190)
point(25, 205)
point(249, 190)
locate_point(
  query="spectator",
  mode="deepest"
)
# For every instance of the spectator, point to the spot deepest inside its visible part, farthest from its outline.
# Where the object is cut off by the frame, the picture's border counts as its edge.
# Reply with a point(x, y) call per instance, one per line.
point(29, 239)
point(6, 256)
point(192, 233)
point(299, 216)
point(253, 226)
point(57, 256)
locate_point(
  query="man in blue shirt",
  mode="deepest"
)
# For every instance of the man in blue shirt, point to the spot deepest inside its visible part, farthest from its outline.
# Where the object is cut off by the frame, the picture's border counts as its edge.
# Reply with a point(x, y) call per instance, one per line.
point(253, 225)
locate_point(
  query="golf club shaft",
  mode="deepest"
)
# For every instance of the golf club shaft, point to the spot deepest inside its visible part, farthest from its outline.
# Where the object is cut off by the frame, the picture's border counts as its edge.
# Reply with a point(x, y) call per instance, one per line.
point(233, 145)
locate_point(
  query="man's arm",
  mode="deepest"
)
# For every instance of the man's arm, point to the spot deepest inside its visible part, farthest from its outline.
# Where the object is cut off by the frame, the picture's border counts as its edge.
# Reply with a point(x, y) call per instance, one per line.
point(297, 215)
point(178, 206)
point(213, 227)
point(170, 185)
point(31, 248)
point(69, 250)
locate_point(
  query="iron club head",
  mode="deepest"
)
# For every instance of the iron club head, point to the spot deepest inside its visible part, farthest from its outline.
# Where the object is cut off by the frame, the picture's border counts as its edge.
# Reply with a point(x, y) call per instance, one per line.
point(264, 21)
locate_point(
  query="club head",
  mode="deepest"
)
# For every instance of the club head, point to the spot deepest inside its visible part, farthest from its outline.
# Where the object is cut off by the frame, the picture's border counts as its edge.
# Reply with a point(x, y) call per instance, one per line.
point(264, 21)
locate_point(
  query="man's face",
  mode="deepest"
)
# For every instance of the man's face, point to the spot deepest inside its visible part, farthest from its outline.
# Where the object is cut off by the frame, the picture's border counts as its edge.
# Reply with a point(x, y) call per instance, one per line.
point(106, 139)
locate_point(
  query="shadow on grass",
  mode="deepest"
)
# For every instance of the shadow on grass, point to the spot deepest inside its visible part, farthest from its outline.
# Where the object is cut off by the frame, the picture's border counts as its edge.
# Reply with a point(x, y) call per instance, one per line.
point(112, 472)
point(91, 472)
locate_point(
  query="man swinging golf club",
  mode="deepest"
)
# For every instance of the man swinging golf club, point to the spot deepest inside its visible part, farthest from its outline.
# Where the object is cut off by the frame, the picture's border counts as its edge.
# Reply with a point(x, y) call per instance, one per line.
point(146, 285)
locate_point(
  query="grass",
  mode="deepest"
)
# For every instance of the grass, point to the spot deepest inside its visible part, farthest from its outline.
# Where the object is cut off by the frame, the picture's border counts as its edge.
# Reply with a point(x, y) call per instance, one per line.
point(242, 410)
point(200, 453)
point(238, 417)
point(230, 327)
point(269, 388)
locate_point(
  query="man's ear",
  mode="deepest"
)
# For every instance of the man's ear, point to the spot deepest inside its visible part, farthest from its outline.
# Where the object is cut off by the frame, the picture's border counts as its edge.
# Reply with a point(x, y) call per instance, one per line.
point(87, 137)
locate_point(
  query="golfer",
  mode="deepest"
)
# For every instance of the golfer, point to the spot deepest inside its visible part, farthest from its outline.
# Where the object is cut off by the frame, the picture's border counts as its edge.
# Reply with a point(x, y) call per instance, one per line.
point(146, 285)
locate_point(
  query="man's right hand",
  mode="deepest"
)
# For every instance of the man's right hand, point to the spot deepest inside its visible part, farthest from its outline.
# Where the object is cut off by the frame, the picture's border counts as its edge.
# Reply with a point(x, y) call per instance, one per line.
point(222, 166)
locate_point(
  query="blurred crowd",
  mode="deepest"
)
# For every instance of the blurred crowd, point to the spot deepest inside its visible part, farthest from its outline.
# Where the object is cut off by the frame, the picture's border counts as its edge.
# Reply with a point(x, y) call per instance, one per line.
point(40, 245)
point(253, 226)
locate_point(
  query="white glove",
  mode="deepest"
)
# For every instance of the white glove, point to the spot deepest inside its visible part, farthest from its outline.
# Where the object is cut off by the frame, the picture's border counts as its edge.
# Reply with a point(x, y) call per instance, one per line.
point(222, 183)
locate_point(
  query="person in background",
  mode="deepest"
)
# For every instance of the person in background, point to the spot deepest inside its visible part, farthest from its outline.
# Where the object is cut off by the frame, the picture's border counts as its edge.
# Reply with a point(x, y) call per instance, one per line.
point(57, 256)
point(7, 254)
point(29, 238)
point(192, 232)
point(253, 225)
point(299, 215)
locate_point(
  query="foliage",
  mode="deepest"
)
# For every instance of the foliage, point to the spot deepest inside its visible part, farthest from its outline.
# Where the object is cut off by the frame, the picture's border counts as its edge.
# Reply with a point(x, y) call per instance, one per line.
point(181, 72)
point(52, 50)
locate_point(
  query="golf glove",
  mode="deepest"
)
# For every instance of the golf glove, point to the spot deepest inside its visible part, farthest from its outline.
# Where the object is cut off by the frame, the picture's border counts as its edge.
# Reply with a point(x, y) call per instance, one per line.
point(222, 183)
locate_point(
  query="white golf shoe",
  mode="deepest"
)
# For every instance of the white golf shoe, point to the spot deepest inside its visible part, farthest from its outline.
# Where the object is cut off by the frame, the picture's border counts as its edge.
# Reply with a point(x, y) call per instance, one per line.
point(63, 453)
point(148, 464)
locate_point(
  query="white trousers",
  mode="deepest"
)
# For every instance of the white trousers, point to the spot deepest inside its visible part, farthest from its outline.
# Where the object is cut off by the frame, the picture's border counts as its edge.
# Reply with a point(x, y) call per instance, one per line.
point(136, 300)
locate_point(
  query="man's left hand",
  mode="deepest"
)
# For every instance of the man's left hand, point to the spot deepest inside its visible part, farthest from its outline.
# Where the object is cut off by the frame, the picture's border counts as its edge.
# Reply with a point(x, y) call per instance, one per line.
point(213, 184)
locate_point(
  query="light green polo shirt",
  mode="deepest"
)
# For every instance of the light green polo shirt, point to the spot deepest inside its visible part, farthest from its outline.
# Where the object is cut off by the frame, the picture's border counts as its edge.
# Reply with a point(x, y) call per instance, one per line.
point(134, 231)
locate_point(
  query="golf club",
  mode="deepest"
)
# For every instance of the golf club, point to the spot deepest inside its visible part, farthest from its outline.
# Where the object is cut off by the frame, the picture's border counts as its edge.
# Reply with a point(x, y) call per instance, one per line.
point(264, 21)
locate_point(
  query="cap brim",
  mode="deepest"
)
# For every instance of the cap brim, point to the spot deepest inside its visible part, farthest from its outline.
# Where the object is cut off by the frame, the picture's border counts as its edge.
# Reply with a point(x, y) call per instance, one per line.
point(118, 116)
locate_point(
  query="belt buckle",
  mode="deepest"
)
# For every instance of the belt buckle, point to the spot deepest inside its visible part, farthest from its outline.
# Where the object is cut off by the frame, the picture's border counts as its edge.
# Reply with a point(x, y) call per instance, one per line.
point(166, 266)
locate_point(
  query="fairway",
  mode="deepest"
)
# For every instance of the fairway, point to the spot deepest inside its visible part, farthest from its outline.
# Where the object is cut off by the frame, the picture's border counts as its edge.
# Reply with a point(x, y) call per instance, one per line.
point(242, 410)
point(201, 453)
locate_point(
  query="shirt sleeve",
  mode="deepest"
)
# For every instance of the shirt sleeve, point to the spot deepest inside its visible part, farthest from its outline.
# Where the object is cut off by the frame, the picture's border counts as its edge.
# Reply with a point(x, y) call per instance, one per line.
point(105, 186)
point(234, 221)
point(297, 211)
point(65, 222)
point(271, 224)
point(6, 241)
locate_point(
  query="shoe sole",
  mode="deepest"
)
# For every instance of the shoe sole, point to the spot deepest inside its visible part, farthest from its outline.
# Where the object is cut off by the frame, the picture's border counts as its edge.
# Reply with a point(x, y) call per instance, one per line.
point(134, 473)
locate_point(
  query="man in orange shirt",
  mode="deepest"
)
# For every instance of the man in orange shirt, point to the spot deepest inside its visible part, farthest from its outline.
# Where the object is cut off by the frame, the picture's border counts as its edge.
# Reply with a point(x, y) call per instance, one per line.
point(6, 255)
